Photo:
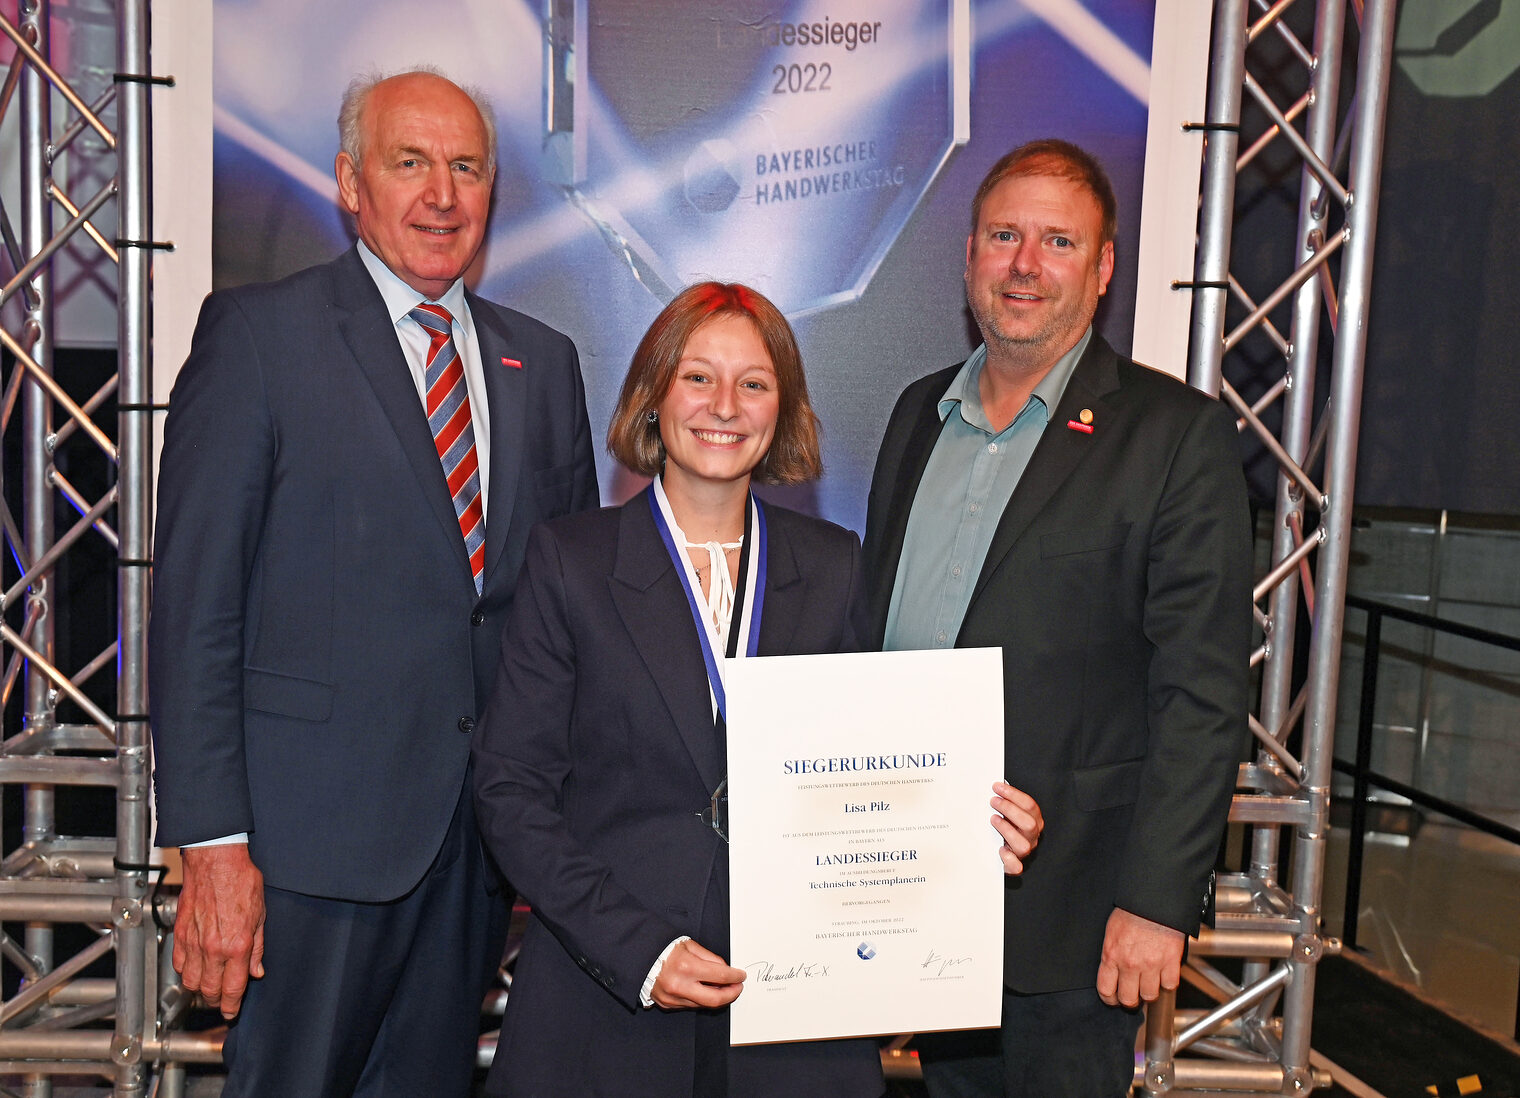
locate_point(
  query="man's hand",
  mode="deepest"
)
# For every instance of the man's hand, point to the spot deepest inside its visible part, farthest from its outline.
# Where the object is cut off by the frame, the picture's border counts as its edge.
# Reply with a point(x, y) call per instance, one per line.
point(1139, 959)
point(1019, 821)
point(219, 931)
point(694, 976)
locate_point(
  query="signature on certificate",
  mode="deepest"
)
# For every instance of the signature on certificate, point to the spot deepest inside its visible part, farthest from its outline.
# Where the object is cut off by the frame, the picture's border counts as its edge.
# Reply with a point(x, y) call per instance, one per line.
point(769, 972)
point(940, 965)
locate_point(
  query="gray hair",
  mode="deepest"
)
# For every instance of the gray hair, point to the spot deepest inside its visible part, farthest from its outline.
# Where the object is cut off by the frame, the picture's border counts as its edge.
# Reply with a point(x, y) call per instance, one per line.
point(357, 94)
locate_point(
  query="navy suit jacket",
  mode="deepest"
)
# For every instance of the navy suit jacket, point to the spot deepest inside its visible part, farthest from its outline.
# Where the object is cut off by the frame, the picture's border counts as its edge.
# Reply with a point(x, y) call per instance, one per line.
point(597, 754)
point(318, 654)
point(1118, 585)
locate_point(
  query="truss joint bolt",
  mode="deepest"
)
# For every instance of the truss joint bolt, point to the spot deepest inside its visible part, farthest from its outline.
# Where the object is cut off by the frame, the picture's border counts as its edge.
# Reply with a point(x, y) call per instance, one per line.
point(1308, 948)
point(128, 913)
point(127, 1050)
point(1297, 1081)
point(1158, 1076)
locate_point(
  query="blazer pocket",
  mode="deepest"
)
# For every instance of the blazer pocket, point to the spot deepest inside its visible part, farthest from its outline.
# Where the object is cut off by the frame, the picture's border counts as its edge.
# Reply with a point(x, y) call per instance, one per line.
point(554, 488)
point(287, 695)
point(1095, 788)
point(1088, 539)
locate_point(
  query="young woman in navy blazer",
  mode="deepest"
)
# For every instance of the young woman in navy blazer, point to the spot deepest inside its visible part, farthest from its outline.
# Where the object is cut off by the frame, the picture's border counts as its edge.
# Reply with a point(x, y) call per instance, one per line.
point(604, 741)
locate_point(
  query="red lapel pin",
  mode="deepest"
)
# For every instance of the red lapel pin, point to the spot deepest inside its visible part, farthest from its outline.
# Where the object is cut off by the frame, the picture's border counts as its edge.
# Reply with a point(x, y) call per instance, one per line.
point(1083, 422)
point(512, 362)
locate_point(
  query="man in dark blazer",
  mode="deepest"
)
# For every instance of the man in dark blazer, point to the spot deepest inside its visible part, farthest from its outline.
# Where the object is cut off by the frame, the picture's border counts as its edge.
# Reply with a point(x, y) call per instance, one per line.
point(1088, 516)
point(327, 615)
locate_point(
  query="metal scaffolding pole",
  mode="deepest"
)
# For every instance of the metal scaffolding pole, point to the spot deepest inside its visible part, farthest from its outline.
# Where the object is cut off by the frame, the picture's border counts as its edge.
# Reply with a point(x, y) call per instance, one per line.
point(133, 926)
point(82, 900)
point(1257, 1039)
point(37, 511)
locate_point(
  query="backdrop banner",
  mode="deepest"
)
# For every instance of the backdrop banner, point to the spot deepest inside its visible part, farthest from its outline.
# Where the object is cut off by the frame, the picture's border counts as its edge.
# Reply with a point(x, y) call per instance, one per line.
point(824, 153)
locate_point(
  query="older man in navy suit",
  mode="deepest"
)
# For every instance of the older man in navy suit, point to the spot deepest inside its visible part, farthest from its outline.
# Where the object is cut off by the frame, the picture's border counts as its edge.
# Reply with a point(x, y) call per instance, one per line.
point(353, 458)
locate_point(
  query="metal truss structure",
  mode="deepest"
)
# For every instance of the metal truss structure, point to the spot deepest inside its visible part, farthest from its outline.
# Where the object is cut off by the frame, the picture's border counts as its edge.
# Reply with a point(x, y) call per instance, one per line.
point(1269, 914)
point(76, 907)
point(59, 1016)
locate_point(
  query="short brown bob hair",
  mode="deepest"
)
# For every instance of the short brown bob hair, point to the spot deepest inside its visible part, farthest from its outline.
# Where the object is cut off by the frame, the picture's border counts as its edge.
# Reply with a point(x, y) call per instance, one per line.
point(793, 456)
point(1051, 156)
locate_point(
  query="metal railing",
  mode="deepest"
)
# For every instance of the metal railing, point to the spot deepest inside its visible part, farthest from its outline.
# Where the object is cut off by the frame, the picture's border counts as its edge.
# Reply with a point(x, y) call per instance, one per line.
point(1363, 777)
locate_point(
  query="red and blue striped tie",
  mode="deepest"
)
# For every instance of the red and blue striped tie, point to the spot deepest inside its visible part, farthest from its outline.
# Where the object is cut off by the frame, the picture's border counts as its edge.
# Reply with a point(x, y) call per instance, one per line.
point(448, 412)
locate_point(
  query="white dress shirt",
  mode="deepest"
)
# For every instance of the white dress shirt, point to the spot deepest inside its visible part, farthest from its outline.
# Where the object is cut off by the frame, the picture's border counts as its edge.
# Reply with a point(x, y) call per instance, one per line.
point(400, 300)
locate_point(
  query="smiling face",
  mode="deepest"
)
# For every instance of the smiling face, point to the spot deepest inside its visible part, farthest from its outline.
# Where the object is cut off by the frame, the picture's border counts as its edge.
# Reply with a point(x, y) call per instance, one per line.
point(718, 418)
point(1035, 267)
point(422, 189)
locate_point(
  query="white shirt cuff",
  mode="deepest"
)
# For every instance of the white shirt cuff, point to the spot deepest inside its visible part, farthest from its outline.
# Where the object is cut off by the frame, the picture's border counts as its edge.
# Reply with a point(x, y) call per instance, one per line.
point(225, 840)
point(654, 973)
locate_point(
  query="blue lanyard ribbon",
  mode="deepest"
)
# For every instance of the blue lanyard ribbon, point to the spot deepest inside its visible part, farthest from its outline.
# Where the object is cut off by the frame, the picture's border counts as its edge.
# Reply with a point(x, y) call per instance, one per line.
point(748, 604)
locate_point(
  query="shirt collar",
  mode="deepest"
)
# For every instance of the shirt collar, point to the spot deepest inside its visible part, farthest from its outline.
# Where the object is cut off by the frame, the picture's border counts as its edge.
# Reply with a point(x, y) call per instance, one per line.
point(400, 299)
point(965, 391)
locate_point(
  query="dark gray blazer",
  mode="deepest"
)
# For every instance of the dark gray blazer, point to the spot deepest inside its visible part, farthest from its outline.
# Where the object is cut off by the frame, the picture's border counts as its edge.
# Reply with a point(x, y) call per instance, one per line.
point(598, 751)
point(318, 654)
point(1118, 586)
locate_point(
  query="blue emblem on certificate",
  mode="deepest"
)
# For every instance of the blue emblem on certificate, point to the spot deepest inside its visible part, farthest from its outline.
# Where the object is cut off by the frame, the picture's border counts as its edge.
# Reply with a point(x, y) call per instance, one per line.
point(864, 951)
point(794, 144)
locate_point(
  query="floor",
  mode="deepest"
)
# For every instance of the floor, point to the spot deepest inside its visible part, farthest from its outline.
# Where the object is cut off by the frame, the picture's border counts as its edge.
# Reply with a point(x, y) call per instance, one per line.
point(1440, 912)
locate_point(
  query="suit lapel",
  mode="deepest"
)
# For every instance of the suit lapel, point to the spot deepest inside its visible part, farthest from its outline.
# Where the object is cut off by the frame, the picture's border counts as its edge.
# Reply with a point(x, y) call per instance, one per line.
point(910, 471)
point(371, 337)
point(785, 595)
point(647, 592)
point(1057, 454)
point(506, 392)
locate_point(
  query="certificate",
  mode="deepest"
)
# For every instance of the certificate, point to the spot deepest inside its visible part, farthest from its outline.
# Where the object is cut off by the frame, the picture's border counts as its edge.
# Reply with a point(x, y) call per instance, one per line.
point(865, 885)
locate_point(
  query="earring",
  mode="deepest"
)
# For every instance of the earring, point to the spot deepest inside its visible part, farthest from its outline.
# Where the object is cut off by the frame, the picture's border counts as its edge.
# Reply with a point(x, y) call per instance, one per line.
point(652, 416)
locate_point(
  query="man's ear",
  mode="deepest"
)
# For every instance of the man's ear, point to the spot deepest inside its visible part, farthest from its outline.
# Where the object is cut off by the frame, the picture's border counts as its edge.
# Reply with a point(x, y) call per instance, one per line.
point(347, 173)
point(1105, 267)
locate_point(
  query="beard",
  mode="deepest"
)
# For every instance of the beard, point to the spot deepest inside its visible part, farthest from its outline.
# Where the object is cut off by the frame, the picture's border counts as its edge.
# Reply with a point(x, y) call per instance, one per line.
point(1058, 327)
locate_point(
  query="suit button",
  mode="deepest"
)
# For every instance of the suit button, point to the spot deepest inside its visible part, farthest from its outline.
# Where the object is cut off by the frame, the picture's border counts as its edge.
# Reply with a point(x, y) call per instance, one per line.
point(466, 724)
point(478, 618)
